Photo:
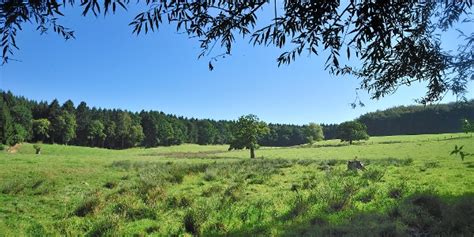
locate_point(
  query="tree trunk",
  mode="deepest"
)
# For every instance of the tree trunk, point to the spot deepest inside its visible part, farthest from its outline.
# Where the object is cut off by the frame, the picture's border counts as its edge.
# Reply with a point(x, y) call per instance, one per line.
point(350, 142)
point(252, 152)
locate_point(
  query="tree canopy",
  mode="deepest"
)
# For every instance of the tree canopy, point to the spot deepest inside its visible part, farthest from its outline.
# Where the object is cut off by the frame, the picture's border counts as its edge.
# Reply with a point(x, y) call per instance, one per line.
point(247, 132)
point(396, 43)
point(99, 127)
point(352, 131)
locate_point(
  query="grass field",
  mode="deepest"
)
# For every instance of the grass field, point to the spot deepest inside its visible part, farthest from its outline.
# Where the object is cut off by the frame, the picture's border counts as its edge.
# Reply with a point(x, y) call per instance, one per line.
point(412, 186)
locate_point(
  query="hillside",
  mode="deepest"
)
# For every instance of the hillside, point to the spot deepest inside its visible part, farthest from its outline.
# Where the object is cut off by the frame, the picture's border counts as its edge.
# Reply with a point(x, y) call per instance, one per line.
point(417, 119)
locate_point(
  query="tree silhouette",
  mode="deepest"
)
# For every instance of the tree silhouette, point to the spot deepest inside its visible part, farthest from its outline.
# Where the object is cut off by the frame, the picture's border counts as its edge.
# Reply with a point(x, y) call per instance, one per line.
point(396, 43)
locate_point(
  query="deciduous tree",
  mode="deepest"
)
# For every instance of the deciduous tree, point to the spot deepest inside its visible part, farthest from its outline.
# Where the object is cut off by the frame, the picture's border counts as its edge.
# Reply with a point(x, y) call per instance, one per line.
point(246, 133)
point(352, 131)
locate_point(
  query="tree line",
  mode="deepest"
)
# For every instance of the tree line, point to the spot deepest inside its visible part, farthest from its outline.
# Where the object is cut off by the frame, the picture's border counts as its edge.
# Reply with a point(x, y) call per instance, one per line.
point(24, 120)
point(418, 119)
point(27, 120)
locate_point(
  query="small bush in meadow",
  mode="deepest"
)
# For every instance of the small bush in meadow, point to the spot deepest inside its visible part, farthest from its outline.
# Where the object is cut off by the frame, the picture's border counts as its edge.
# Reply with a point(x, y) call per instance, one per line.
point(2, 147)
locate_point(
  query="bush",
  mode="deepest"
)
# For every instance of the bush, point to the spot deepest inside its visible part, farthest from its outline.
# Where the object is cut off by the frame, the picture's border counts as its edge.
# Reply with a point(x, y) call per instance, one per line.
point(37, 148)
point(2, 147)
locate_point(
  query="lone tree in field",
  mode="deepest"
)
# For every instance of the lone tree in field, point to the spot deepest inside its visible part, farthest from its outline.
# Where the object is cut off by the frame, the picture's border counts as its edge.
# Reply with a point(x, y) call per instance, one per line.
point(313, 133)
point(395, 43)
point(352, 131)
point(247, 132)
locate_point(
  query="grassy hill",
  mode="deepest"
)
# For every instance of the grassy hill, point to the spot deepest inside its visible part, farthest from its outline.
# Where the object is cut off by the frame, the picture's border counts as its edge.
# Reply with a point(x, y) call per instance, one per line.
point(411, 186)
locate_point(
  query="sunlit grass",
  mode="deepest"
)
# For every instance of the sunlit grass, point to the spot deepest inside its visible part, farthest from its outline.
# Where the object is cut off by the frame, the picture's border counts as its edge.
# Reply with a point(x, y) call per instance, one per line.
point(207, 190)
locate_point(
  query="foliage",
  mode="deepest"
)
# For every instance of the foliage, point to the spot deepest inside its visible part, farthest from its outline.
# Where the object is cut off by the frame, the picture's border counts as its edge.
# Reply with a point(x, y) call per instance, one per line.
point(41, 129)
point(352, 131)
point(314, 132)
point(19, 135)
point(459, 151)
point(37, 148)
point(247, 132)
point(96, 133)
point(398, 43)
point(160, 129)
point(439, 118)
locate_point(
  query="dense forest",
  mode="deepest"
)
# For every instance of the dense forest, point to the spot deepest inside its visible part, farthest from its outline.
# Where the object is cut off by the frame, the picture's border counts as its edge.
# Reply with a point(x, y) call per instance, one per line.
point(22, 120)
point(410, 120)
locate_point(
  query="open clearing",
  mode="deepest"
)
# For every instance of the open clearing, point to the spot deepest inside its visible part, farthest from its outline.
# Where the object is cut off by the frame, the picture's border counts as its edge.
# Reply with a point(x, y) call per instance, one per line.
point(412, 186)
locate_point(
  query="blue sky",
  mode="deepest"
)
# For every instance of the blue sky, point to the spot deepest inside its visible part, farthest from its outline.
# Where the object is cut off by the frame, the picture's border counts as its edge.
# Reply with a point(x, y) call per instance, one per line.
point(107, 66)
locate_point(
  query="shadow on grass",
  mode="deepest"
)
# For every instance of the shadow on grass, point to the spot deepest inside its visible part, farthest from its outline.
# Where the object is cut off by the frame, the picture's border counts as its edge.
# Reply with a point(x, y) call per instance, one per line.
point(417, 215)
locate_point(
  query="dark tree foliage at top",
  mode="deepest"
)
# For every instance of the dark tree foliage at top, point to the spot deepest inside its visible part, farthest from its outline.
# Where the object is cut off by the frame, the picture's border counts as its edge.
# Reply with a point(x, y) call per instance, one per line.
point(397, 42)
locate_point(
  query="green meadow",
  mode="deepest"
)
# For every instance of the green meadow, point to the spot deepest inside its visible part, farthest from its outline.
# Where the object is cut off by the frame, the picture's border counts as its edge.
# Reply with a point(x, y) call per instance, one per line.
point(411, 186)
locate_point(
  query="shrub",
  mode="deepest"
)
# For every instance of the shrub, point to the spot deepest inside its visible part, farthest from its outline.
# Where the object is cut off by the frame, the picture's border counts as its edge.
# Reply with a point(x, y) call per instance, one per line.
point(2, 147)
point(37, 148)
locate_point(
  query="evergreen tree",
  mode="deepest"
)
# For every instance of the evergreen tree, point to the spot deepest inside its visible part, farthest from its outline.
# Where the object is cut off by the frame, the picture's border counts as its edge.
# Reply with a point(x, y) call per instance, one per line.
point(83, 119)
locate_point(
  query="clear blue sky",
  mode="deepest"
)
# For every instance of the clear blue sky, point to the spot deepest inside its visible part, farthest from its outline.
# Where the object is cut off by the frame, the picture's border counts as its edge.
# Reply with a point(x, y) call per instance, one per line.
point(107, 66)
